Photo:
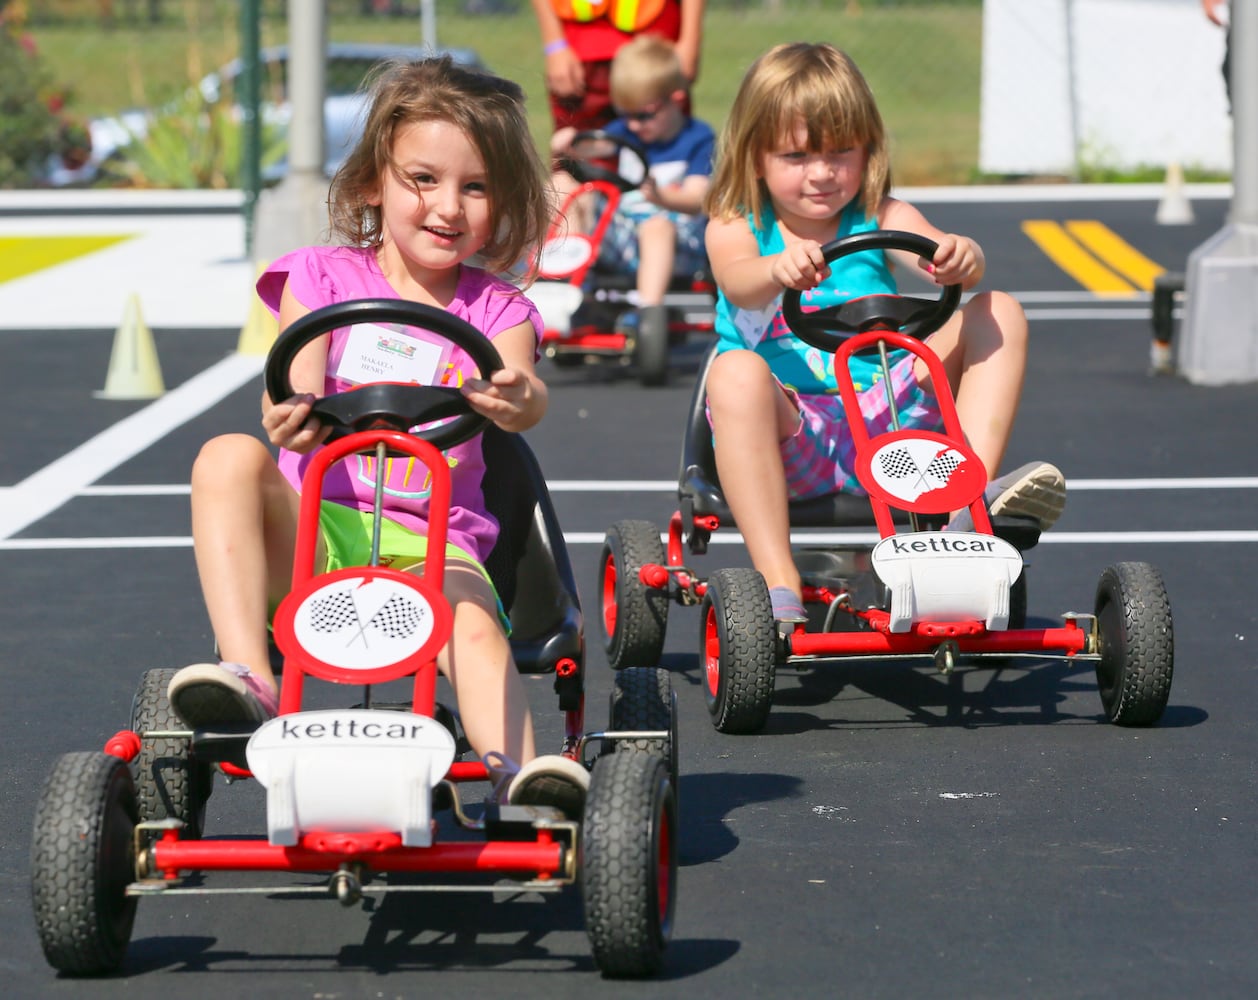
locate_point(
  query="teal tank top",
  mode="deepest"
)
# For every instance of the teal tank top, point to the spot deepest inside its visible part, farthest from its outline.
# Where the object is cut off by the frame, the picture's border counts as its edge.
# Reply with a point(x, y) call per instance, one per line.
point(795, 364)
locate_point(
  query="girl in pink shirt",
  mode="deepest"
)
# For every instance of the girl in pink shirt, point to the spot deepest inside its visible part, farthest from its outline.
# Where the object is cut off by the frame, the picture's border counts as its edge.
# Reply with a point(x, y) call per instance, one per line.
point(445, 170)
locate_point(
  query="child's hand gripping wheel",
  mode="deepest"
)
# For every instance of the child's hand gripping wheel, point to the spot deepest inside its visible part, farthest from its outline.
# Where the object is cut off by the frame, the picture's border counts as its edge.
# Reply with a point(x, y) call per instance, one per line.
point(828, 327)
point(394, 405)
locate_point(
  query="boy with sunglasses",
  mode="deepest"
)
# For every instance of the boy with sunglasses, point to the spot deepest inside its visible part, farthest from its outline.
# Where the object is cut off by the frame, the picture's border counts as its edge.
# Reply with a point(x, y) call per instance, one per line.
point(658, 228)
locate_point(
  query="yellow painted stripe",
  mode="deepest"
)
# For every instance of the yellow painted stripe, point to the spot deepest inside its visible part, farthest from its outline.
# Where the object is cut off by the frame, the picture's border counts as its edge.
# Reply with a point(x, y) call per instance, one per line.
point(22, 255)
point(1116, 252)
point(1063, 251)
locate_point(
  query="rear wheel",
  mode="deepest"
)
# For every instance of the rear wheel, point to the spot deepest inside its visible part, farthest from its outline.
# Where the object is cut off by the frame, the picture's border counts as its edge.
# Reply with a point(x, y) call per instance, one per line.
point(642, 698)
point(629, 863)
point(650, 352)
point(738, 650)
point(633, 616)
point(1137, 644)
point(170, 783)
point(82, 860)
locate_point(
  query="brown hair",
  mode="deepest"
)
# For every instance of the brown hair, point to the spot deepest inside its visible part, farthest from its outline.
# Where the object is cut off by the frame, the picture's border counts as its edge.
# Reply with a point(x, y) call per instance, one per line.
point(815, 84)
point(490, 112)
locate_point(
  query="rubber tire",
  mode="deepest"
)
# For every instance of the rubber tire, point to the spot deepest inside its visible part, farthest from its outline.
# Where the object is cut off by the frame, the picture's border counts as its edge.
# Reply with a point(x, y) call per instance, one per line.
point(170, 783)
point(737, 650)
point(650, 351)
point(643, 698)
point(82, 860)
point(632, 616)
point(629, 863)
point(1137, 644)
point(567, 359)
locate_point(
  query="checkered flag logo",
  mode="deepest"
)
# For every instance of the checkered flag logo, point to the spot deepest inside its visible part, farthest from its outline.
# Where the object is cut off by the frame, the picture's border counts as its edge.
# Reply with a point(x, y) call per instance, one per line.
point(943, 465)
point(398, 618)
point(907, 469)
point(334, 612)
point(898, 463)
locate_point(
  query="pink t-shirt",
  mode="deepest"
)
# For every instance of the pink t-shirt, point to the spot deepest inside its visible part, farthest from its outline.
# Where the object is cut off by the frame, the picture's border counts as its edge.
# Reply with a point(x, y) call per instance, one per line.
point(320, 276)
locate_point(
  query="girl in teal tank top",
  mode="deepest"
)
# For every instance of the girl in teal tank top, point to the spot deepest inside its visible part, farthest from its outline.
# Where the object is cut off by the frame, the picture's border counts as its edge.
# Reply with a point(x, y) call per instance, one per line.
point(793, 363)
point(802, 160)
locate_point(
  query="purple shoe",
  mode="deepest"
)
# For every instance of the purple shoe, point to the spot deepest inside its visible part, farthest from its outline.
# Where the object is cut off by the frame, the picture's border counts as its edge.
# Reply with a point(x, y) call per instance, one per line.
point(209, 694)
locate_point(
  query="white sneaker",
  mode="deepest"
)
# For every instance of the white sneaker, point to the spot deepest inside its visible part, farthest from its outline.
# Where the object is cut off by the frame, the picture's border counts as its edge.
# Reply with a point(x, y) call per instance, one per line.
point(551, 780)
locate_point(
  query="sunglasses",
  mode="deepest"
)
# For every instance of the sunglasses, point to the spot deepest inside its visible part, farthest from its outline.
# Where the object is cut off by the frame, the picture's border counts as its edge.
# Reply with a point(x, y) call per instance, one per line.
point(642, 116)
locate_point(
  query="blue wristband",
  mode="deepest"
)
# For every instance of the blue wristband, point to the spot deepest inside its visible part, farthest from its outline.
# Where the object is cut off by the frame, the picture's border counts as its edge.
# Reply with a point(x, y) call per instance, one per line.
point(558, 45)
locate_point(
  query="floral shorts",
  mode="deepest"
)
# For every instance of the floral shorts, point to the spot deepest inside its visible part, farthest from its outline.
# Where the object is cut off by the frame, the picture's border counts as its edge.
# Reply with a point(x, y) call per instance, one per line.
point(820, 457)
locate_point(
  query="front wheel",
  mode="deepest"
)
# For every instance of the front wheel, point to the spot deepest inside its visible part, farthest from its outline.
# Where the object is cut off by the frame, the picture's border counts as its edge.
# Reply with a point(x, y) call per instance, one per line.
point(633, 616)
point(1137, 644)
point(629, 863)
point(170, 783)
point(643, 699)
point(738, 651)
point(82, 860)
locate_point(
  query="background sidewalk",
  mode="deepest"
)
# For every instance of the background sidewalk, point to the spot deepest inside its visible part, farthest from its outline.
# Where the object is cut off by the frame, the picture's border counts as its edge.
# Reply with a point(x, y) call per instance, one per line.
point(181, 253)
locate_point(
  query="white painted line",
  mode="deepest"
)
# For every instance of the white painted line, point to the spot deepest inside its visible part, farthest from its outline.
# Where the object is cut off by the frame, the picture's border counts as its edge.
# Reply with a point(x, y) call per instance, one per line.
point(668, 486)
point(1089, 314)
point(733, 538)
point(46, 490)
point(991, 193)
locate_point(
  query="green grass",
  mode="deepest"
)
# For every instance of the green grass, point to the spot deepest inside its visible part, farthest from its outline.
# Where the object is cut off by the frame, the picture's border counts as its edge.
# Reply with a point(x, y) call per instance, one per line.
point(923, 63)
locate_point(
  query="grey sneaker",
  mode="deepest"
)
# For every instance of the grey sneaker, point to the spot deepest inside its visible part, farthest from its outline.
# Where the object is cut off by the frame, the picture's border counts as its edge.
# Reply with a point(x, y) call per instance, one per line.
point(551, 780)
point(1037, 489)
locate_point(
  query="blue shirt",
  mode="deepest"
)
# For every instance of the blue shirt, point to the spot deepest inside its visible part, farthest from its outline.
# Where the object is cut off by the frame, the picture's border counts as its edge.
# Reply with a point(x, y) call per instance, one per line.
point(687, 154)
point(795, 364)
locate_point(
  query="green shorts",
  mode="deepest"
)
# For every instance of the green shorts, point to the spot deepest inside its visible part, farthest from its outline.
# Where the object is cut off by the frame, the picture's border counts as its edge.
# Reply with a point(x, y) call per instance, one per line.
point(347, 537)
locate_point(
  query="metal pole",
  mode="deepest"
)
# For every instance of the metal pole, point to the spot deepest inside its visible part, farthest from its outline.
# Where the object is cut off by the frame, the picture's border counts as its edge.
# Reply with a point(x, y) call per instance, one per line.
point(307, 42)
point(428, 24)
point(250, 117)
point(1244, 41)
point(1220, 331)
point(294, 212)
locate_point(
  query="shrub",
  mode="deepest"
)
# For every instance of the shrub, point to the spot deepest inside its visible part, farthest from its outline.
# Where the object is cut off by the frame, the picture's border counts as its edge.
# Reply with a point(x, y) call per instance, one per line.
point(31, 130)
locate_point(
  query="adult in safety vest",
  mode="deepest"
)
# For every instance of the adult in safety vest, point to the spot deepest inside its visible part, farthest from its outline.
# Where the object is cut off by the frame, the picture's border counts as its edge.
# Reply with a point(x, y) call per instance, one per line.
point(579, 38)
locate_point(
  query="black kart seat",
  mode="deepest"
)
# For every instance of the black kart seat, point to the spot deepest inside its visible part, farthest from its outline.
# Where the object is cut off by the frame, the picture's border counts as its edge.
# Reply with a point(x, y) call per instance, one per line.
point(529, 562)
point(700, 489)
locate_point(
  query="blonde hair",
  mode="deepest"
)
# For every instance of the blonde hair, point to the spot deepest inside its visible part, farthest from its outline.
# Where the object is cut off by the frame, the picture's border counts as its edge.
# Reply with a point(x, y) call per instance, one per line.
point(798, 82)
point(645, 70)
point(490, 112)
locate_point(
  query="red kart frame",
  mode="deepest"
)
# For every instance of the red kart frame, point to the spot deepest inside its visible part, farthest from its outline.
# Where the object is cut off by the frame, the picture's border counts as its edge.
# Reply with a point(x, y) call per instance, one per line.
point(1127, 636)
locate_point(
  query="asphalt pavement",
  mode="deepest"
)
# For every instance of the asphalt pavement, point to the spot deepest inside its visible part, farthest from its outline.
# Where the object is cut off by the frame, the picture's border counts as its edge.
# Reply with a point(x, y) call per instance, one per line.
point(893, 832)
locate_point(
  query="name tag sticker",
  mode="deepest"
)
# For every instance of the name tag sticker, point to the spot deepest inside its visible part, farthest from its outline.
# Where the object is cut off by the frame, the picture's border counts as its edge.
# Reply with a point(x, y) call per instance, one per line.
point(375, 353)
point(752, 324)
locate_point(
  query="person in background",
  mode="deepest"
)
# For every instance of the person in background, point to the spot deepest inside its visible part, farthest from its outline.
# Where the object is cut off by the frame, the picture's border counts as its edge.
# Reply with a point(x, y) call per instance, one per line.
point(579, 41)
point(1217, 11)
point(657, 230)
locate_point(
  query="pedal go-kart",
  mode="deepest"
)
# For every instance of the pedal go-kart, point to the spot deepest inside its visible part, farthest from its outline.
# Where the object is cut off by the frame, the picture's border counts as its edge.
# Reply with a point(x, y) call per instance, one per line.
point(917, 593)
point(587, 306)
point(352, 794)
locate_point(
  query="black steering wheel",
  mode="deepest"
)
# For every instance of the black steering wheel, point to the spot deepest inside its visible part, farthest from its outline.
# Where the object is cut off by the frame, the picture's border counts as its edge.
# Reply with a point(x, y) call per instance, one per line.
point(828, 327)
point(388, 405)
point(586, 171)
